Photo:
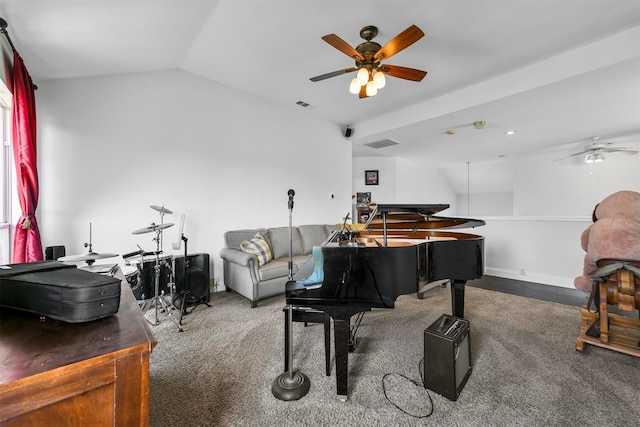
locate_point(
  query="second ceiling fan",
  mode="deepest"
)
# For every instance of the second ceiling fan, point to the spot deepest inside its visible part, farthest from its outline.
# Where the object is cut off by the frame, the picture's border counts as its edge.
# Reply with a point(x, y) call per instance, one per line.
point(368, 57)
point(595, 152)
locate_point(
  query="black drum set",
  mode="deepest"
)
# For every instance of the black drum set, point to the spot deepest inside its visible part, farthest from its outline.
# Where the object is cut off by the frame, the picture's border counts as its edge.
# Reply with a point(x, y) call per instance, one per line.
point(150, 274)
point(152, 270)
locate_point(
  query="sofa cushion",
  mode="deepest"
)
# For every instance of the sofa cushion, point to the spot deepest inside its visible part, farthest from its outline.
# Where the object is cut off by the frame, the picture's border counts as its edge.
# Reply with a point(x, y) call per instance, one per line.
point(312, 235)
point(233, 239)
point(331, 228)
point(280, 241)
point(259, 247)
point(275, 269)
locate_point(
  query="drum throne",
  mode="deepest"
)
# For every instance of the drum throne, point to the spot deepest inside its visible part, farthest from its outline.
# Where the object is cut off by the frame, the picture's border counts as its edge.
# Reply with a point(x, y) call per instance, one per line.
point(615, 287)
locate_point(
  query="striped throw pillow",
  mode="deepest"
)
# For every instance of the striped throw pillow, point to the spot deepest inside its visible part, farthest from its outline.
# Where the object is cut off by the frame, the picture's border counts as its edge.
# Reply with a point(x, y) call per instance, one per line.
point(259, 247)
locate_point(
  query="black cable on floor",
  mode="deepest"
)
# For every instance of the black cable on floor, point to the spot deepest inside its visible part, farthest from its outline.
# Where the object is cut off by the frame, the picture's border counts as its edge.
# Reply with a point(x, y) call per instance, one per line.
point(415, 383)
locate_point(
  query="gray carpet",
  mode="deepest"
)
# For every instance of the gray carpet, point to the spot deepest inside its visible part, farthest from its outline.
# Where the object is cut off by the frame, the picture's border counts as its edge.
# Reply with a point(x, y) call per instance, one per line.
point(526, 371)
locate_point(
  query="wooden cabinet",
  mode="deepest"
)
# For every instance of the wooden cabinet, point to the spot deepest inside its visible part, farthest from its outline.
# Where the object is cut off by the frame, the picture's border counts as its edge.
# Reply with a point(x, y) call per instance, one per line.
point(363, 214)
point(94, 373)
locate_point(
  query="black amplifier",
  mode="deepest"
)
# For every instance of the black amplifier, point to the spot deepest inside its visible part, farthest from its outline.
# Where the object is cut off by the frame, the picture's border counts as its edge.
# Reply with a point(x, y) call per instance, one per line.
point(447, 356)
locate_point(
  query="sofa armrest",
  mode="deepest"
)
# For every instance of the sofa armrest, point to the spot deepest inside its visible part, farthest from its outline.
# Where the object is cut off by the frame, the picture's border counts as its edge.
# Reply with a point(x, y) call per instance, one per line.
point(240, 271)
point(238, 257)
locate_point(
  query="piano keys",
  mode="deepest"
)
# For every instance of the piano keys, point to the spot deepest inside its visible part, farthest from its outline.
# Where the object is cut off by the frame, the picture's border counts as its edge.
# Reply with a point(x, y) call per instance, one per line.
point(401, 250)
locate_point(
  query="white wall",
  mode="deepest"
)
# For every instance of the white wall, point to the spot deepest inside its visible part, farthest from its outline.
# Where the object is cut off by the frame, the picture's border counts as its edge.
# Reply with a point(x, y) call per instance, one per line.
point(535, 249)
point(403, 181)
point(109, 147)
point(385, 191)
point(570, 187)
point(495, 204)
point(553, 202)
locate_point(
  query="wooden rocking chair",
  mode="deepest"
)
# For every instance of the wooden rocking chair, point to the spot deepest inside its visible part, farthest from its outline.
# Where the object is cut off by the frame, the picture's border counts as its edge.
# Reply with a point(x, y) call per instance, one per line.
point(616, 282)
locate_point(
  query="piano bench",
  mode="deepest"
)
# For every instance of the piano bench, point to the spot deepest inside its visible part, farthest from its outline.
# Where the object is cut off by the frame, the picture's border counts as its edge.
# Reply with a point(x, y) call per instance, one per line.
point(308, 315)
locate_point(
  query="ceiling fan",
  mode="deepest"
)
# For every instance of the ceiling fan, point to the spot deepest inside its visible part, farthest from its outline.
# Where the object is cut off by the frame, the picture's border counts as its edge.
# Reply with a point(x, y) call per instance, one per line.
point(368, 56)
point(595, 151)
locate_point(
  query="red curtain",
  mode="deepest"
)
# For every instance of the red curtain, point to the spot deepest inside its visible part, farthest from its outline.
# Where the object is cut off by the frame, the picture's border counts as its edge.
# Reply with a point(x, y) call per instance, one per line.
point(27, 246)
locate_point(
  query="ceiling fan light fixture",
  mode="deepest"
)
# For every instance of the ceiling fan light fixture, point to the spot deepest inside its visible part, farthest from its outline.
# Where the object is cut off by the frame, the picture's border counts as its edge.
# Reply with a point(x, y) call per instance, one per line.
point(354, 87)
point(379, 80)
point(371, 89)
point(362, 76)
point(594, 157)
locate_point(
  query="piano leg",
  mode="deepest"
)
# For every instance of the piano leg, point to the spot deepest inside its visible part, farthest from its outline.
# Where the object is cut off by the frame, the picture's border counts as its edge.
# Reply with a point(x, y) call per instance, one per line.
point(327, 343)
point(457, 297)
point(341, 333)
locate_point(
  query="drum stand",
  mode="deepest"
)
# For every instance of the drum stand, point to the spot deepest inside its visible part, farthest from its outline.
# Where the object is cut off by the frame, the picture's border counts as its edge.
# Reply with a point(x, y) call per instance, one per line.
point(158, 301)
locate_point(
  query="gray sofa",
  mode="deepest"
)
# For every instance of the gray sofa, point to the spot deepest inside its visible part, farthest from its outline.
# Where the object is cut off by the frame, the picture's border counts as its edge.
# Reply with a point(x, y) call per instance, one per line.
point(241, 271)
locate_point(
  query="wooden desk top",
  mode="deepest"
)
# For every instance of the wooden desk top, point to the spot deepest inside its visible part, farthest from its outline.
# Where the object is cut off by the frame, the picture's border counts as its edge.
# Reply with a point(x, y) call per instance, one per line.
point(30, 346)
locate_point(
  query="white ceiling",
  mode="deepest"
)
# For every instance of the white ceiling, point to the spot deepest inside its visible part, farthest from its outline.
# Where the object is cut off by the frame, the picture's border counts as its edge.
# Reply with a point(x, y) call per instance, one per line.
point(558, 72)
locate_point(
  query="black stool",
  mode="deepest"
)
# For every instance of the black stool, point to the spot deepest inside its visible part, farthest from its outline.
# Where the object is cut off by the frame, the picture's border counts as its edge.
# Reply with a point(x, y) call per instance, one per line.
point(308, 315)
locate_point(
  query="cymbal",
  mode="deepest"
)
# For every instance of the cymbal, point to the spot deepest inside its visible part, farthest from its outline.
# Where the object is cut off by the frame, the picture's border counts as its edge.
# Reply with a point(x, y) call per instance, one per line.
point(152, 227)
point(99, 268)
point(89, 256)
point(161, 209)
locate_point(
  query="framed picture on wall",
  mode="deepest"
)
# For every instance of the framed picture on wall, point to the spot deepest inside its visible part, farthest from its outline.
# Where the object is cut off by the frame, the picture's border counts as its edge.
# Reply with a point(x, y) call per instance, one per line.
point(371, 177)
point(363, 198)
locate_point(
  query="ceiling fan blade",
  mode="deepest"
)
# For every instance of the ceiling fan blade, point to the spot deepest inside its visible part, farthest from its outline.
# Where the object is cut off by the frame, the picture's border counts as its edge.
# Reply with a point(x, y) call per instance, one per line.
point(620, 150)
point(399, 42)
point(332, 74)
point(342, 46)
point(403, 72)
point(572, 155)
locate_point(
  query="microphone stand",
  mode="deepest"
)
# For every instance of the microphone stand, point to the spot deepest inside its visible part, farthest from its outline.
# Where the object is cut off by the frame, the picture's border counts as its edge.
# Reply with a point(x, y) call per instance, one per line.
point(290, 205)
point(290, 385)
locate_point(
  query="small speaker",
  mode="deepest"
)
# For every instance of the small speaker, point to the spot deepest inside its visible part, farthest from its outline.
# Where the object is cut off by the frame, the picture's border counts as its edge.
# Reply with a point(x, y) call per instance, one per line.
point(197, 279)
point(447, 356)
point(347, 132)
point(54, 252)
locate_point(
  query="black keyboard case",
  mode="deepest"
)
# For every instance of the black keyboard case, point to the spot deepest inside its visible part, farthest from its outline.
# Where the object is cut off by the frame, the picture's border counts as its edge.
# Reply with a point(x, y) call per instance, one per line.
point(59, 291)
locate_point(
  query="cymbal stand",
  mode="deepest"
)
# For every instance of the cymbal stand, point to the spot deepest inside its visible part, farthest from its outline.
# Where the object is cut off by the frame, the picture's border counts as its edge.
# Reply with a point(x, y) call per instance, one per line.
point(159, 300)
point(161, 212)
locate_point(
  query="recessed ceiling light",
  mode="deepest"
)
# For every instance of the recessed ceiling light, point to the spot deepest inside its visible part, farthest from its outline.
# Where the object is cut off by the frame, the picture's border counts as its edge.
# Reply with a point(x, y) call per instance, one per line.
point(510, 132)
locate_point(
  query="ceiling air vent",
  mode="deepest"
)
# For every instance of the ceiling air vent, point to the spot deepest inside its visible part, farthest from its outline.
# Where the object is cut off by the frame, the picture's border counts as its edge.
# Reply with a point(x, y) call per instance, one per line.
point(302, 104)
point(382, 143)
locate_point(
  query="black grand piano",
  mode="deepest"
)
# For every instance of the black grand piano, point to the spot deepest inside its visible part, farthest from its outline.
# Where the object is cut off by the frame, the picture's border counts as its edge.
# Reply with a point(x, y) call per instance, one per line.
point(400, 251)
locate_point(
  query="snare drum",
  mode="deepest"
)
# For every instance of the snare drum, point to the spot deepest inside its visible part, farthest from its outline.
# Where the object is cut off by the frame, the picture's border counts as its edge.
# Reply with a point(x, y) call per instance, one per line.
point(142, 278)
point(132, 275)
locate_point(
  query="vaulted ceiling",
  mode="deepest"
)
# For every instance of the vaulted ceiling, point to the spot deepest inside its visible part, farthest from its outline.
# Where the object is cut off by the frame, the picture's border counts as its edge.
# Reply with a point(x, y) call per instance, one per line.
point(557, 72)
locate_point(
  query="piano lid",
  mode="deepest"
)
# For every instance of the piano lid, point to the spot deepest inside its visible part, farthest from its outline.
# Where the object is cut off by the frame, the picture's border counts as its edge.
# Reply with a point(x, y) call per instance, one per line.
point(416, 217)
